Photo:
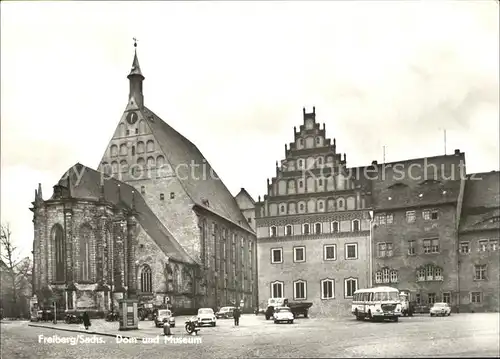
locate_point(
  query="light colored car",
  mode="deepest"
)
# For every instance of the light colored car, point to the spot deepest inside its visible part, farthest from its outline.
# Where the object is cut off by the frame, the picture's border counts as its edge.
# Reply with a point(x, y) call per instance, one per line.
point(283, 314)
point(206, 316)
point(440, 309)
point(225, 313)
point(164, 315)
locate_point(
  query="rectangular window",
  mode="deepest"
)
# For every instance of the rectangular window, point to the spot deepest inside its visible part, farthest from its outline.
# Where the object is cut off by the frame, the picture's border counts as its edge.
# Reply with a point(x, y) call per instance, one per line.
point(438, 273)
point(475, 297)
point(493, 245)
point(435, 245)
point(378, 277)
point(480, 272)
point(411, 248)
point(317, 228)
point(299, 254)
point(429, 273)
point(388, 250)
point(381, 219)
point(434, 215)
point(300, 290)
point(385, 275)
point(277, 289)
point(426, 215)
point(421, 275)
point(447, 298)
point(305, 228)
point(351, 251)
point(464, 247)
point(431, 298)
point(335, 227)
point(394, 276)
point(410, 216)
point(274, 231)
point(427, 246)
point(327, 289)
point(276, 255)
point(389, 218)
point(381, 249)
point(483, 246)
point(330, 252)
point(350, 286)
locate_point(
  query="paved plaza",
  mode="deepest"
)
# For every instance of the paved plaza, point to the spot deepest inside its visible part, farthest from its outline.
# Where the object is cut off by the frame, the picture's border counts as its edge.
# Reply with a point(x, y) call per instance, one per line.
point(462, 335)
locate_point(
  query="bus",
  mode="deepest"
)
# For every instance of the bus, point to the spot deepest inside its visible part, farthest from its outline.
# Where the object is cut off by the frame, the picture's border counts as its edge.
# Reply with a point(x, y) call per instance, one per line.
point(378, 303)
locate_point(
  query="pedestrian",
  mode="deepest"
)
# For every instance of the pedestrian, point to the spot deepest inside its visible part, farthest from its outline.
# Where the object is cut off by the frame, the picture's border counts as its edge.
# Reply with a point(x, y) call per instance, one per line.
point(236, 315)
point(86, 320)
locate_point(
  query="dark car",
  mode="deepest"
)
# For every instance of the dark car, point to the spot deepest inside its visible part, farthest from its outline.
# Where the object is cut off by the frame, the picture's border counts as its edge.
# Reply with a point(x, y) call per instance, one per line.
point(225, 313)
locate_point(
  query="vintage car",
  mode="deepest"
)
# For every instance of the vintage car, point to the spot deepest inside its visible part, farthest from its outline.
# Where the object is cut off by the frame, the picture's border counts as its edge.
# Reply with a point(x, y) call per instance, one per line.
point(441, 309)
point(206, 316)
point(283, 314)
point(225, 313)
point(162, 316)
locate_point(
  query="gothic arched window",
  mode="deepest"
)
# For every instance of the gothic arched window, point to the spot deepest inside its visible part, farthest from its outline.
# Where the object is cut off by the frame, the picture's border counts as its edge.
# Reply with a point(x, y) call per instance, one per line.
point(58, 240)
point(146, 279)
point(85, 252)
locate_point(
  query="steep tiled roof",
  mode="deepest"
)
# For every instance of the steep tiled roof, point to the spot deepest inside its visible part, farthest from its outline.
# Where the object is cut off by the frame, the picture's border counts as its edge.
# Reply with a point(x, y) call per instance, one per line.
point(418, 182)
point(198, 182)
point(85, 183)
point(481, 202)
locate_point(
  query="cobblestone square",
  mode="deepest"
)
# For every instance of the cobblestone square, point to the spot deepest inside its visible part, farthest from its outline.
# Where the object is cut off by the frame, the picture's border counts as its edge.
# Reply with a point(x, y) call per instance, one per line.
point(461, 335)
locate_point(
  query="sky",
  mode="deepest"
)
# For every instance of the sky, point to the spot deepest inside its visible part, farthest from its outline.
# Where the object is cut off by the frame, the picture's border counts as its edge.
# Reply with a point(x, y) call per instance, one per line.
point(233, 78)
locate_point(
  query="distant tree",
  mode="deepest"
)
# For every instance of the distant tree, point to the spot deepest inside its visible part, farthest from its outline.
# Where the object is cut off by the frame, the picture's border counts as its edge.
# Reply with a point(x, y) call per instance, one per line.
point(16, 270)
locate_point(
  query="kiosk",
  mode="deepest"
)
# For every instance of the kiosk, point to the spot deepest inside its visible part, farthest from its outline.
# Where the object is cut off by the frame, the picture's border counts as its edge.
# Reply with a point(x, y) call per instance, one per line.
point(128, 314)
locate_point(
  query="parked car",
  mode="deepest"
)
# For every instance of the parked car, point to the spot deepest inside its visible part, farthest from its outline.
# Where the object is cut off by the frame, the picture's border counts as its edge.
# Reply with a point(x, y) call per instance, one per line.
point(225, 313)
point(441, 309)
point(283, 314)
point(206, 316)
point(162, 316)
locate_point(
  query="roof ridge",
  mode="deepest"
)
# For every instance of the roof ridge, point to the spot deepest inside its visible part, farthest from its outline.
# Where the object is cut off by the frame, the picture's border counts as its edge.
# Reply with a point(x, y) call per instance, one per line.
point(183, 182)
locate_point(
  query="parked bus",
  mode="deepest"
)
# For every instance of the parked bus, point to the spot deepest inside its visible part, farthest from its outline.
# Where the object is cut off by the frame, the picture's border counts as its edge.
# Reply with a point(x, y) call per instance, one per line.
point(376, 303)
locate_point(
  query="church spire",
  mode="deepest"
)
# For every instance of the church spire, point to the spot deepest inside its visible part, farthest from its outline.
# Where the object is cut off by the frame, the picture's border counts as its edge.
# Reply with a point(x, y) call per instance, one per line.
point(135, 78)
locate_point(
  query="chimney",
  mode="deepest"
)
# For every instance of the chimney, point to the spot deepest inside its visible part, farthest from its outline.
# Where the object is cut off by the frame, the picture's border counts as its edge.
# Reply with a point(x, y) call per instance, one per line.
point(374, 163)
point(457, 152)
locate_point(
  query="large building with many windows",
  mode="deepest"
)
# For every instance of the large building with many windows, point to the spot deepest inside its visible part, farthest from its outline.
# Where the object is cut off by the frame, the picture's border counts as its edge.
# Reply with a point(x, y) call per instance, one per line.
point(478, 258)
point(313, 225)
point(415, 227)
point(420, 225)
point(154, 222)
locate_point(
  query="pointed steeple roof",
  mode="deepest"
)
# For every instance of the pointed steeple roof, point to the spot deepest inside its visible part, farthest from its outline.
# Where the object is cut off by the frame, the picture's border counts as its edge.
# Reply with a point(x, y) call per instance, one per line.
point(136, 68)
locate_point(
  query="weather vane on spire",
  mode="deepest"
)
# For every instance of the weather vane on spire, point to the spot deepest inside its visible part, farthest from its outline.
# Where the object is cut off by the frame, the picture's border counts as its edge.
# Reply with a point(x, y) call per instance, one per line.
point(135, 41)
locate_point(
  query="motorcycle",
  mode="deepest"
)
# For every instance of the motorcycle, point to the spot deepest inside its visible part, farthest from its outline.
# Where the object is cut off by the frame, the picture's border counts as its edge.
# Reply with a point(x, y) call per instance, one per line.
point(191, 326)
point(112, 317)
point(73, 319)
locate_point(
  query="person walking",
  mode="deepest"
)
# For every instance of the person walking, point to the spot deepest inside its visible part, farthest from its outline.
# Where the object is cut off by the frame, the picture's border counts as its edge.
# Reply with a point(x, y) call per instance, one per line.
point(236, 315)
point(86, 320)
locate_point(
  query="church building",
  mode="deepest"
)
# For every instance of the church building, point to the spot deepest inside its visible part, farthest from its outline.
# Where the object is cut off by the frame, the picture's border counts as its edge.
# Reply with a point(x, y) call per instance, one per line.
point(153, 222)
